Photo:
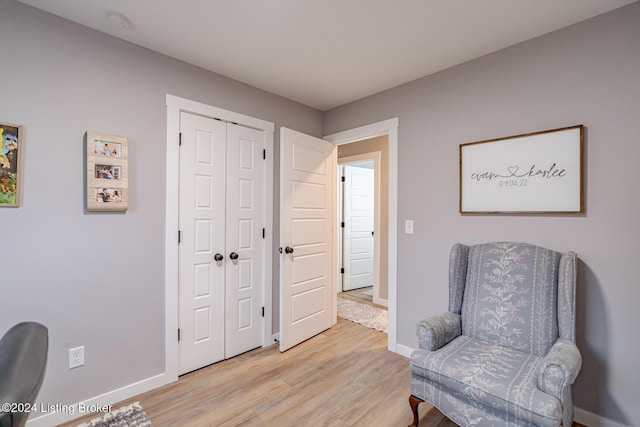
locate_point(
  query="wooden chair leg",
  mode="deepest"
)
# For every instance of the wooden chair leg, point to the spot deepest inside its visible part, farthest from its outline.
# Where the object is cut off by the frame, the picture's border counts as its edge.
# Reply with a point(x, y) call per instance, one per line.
point(414, 402)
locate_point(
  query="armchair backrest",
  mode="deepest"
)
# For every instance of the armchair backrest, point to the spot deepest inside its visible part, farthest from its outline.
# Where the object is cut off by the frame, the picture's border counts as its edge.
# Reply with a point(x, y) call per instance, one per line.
point(510, 294)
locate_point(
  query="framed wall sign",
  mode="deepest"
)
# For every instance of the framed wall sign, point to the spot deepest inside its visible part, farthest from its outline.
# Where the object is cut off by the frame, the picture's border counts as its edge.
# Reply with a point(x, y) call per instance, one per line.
point(107, 172)
point(10, 160)
point(540, 173)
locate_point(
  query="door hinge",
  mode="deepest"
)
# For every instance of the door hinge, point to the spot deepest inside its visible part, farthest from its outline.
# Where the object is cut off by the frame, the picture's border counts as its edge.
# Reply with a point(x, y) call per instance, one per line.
point(262, 311)
point(342, 270)
point(178, 334)
point(264, 232)
point(264, 154)
point(342, 224)
point(179, 236)
point(342, 179)
point(180, 139)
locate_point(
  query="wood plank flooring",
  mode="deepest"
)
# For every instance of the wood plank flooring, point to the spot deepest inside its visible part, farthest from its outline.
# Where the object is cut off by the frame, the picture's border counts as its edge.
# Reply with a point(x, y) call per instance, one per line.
point(342, 377)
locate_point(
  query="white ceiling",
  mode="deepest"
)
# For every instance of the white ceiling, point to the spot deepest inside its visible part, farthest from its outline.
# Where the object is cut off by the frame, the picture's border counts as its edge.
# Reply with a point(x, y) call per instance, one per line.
point(325, 53)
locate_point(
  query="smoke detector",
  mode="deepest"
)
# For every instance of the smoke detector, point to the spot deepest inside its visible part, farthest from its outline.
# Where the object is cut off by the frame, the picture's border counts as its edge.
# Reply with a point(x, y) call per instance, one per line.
point(119, 20)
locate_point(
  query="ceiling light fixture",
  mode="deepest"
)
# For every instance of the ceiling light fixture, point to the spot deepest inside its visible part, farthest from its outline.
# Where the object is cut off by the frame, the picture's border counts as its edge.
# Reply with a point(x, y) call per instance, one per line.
point(119, 19)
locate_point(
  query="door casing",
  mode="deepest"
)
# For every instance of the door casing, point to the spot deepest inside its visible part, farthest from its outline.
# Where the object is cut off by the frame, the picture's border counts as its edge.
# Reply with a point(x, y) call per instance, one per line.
point(386, 127)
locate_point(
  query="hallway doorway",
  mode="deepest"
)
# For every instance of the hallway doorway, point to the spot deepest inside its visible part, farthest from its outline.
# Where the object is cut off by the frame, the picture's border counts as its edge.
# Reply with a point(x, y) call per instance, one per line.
point(363, 265)
point(350, 139)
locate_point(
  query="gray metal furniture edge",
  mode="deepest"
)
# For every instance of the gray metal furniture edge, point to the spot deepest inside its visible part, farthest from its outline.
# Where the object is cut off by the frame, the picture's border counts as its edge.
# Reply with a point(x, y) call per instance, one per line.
point(23, 359)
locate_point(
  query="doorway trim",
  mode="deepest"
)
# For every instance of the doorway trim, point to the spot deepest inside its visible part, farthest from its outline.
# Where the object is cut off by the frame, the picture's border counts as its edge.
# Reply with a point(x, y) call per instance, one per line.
point(175, 105)
point(387, 127)
point(374, 157)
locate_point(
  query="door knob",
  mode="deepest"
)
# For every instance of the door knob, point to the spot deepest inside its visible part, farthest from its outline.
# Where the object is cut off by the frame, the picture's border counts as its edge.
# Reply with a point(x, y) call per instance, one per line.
point(218, 257)
point(288, 250)
point(233, 256)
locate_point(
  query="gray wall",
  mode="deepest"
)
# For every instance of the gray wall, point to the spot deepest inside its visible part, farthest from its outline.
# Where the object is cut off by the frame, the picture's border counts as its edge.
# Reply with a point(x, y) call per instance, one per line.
point(97, 279)
point(587, 74)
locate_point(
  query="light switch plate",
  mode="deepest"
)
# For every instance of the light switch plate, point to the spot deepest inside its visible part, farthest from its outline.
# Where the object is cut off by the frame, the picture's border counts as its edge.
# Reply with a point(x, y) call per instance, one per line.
point(408, 226)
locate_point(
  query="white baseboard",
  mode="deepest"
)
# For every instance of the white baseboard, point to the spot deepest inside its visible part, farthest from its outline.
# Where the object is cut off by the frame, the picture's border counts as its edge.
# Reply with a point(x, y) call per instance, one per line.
point(69, 412)
point(403, 350)
point(590, 419)
point(380, 301)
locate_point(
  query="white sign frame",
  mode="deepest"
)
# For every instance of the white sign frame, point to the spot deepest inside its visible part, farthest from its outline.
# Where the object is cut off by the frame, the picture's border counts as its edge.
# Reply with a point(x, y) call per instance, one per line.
point(535, 173)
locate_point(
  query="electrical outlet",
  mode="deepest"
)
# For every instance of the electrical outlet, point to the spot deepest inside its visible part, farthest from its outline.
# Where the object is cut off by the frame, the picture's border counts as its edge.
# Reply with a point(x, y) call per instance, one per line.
point(76, 357)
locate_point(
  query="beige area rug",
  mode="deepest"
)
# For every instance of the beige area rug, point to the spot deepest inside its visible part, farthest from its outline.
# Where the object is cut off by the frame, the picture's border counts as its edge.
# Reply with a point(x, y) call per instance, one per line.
point(128, 416)
point(366, 315)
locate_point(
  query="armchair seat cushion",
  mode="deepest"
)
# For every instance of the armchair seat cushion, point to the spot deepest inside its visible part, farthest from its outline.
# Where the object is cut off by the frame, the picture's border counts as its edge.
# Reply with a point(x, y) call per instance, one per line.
point(501, 378)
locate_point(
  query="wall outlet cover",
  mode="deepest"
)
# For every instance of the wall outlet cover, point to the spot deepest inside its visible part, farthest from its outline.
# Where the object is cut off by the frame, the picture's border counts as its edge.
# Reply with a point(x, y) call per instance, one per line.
point(76, 357)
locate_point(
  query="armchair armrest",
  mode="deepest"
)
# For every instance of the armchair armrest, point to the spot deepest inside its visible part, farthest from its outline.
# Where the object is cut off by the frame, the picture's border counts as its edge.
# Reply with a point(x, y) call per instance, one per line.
point(437, 331)
point(559, 368)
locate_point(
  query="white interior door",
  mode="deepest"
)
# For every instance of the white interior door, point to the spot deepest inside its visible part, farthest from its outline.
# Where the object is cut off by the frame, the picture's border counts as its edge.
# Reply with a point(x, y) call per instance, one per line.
point(221, 253)
point(358, 228)
point(245, 222)
point(306, 237)
point(202, 234)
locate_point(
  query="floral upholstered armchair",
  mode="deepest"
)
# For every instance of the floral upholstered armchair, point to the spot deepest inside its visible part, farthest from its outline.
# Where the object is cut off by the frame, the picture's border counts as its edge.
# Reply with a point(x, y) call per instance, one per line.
point(504, 354)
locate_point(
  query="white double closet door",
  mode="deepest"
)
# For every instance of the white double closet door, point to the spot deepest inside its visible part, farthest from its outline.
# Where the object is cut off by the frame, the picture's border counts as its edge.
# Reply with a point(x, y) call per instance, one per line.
point(221, 250)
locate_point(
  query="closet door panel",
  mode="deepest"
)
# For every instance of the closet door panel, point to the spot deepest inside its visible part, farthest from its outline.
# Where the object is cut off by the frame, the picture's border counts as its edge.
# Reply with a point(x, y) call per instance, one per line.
point(245, 221)
point(202, 235)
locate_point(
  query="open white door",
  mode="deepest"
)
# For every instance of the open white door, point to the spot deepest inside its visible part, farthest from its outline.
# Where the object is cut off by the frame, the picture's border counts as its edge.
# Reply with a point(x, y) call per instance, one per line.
point(307, 286)
point(358, 228)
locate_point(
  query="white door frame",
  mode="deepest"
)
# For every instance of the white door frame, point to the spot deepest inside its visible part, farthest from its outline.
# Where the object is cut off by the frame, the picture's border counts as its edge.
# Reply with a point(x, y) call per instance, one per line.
point(373, 156)
point(174, 106)
point(390, 128)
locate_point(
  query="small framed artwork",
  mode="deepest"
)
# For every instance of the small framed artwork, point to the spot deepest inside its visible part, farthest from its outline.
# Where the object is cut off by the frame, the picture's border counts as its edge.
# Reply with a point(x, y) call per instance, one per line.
point(10, 164)
point(107, 172)
point(536, 173)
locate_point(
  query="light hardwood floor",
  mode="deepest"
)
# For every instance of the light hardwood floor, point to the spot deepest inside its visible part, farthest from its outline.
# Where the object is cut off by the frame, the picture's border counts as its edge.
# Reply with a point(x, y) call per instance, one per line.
point(342, 377)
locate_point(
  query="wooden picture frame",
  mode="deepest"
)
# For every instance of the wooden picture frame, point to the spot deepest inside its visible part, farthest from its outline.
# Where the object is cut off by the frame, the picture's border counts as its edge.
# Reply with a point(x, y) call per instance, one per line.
point(107, 172)
point(535, 173)
point(11, 149)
